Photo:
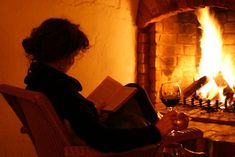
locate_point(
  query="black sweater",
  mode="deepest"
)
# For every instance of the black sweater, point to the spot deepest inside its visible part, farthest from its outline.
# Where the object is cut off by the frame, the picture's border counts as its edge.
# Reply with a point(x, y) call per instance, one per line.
point(63, 91)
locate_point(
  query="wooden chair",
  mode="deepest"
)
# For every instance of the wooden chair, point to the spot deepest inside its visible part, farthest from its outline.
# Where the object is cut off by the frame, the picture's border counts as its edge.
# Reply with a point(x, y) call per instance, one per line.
point(49, 135)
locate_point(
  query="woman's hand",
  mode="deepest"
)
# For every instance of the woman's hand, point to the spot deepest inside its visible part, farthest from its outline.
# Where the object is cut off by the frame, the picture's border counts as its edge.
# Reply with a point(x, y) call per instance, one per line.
point(167, 123)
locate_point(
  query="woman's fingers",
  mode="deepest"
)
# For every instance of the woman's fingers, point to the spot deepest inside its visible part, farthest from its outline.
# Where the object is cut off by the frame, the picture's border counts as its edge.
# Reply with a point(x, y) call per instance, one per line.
point(167, 123)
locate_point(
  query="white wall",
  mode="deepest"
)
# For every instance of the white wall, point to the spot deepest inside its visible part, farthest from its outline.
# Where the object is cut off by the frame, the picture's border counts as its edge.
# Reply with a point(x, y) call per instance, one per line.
point(110, 26)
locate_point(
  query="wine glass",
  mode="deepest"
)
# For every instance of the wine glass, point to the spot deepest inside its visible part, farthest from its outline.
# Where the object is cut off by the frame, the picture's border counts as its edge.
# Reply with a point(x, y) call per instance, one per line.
point(170, 93)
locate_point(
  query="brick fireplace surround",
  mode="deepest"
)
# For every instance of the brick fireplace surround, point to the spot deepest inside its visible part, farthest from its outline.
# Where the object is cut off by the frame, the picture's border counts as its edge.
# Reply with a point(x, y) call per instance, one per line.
point(152, 15)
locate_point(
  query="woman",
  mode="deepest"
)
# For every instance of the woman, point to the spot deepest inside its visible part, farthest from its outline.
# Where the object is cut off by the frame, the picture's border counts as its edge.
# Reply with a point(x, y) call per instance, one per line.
point(51, 48)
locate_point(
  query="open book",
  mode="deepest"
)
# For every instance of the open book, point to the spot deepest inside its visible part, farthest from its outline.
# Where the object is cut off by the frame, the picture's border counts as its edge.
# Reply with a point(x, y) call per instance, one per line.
point(110, 95)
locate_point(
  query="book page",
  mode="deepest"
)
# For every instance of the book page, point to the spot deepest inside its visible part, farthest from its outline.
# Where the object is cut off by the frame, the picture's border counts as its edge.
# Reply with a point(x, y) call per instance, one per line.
point(109, 95)
point(106, 89)
point(119, 98)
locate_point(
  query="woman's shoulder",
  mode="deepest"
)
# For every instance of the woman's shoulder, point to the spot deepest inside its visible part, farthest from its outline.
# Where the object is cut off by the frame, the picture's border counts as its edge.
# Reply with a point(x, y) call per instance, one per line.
point(42, 74)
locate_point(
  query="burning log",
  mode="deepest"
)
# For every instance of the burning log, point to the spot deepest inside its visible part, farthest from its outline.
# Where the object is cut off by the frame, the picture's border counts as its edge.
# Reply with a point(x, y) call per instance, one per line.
point(213, 95)
point(192, 88)
point(228, 92)
point(221, 82)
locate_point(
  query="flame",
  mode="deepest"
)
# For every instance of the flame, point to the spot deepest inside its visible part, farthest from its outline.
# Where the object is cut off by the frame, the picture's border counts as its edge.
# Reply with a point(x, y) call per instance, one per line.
point(211, 43)
point(214, 62)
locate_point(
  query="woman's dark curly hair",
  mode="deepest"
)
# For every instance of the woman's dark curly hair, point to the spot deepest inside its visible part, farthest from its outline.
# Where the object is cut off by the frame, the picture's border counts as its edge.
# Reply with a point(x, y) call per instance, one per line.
point(55, 39)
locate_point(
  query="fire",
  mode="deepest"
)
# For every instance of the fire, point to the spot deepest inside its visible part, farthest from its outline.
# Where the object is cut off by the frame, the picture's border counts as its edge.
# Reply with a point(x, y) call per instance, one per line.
point(211, 43)
point(214, 63)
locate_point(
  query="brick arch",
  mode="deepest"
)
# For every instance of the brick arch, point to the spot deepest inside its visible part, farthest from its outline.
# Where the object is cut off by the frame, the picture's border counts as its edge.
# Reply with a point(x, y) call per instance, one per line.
point(149, 12)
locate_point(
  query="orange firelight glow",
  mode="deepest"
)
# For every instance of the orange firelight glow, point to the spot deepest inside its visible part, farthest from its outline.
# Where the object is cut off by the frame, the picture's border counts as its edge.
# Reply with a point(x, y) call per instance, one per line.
point(214, 62)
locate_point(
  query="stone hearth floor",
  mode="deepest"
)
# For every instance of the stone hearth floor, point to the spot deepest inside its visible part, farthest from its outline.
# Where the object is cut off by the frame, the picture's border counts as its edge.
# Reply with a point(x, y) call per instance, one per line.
point(218, 128)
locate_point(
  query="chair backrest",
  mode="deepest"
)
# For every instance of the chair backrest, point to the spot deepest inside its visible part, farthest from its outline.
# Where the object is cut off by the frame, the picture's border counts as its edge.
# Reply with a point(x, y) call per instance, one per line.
point(39, 118)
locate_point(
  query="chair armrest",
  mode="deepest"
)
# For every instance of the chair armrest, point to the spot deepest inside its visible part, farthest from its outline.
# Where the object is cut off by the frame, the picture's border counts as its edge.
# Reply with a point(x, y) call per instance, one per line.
point(184, 135)
point(176, 148)
point(195, 154)
point(81, 151)
point(146, 151)
point(86, 151)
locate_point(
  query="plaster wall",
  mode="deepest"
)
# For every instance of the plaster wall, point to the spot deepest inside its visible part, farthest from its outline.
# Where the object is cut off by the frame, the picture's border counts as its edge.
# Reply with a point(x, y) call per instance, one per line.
point(110, 27)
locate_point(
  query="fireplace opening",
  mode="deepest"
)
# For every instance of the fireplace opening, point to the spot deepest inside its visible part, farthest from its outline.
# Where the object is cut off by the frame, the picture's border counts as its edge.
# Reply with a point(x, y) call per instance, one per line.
point(180, 55)
point(175, 52)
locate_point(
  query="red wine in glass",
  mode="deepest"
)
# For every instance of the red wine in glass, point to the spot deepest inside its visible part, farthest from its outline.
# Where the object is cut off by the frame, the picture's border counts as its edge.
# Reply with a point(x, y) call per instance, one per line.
point(170, 94)
point(170, 102)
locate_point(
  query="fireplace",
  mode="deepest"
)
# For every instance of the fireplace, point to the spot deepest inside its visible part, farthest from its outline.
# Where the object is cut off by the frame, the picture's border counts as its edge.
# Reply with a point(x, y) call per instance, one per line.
point(168, 47)
point(169, 41)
